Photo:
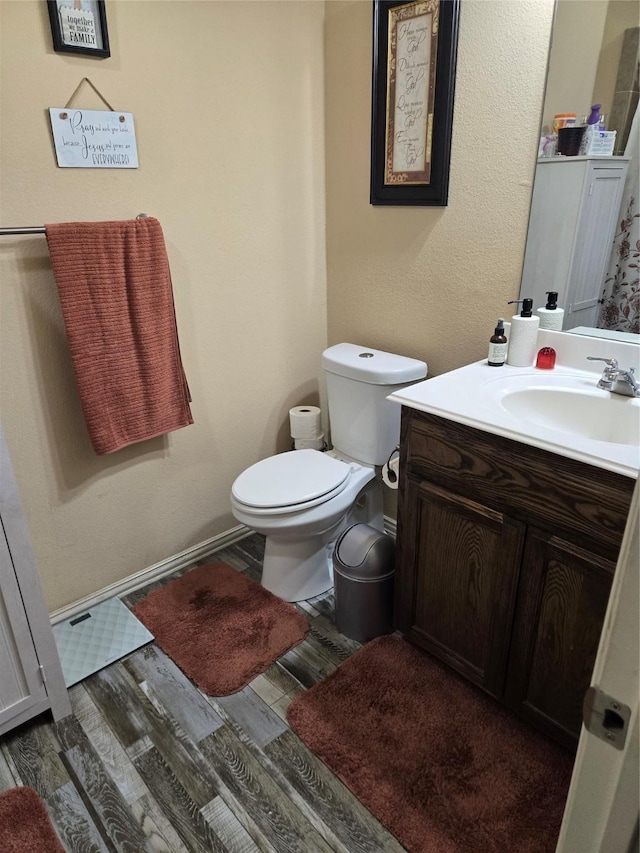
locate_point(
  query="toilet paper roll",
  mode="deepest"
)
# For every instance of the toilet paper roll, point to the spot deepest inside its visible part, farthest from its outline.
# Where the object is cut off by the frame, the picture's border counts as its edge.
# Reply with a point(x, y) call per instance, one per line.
point(304, 422)
point(391, 473)
point(316, 443)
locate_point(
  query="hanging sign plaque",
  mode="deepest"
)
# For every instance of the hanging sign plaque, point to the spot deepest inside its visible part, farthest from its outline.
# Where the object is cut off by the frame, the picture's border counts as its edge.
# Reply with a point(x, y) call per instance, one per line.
point(94, 139)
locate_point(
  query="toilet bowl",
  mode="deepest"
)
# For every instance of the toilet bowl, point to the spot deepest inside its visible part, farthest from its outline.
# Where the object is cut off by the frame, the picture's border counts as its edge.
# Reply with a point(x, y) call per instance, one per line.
point(302, 500)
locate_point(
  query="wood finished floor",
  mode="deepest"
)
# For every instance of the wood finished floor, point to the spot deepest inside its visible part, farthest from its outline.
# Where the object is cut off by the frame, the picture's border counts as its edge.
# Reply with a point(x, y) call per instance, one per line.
point(149, 763)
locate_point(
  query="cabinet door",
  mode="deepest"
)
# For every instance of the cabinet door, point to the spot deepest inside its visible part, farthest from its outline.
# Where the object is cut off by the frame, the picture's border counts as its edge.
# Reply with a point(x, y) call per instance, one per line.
point(461, 571)
point(21, 686)
point(593, 245)
point(562, 600)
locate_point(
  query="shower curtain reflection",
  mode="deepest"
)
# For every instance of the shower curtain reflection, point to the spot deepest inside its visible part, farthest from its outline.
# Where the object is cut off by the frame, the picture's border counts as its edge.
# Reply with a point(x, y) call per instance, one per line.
point(620, 309)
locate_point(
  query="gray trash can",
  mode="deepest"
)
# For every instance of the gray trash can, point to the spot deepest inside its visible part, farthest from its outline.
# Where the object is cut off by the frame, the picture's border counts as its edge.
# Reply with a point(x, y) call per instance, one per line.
point(363, 569)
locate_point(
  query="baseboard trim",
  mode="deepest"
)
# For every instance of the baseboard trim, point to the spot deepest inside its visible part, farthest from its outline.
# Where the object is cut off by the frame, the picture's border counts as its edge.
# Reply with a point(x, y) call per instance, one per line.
point(167, 567)
point(152, 573)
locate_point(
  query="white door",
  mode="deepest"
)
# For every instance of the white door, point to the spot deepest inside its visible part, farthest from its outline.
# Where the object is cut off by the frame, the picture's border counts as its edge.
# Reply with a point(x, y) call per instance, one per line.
point(601, 814)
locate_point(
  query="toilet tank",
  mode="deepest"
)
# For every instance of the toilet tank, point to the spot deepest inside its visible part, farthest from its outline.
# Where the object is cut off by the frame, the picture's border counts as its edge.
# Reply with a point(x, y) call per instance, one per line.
point(364, 424)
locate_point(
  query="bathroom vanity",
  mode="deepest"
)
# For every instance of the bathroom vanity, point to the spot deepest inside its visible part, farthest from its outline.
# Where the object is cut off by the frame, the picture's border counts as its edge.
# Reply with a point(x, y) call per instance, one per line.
point(506, 549)
point(506, 555)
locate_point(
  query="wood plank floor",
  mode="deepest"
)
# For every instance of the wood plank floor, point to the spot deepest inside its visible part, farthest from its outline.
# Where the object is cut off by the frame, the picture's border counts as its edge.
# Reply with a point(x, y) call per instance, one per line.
point(149, 763)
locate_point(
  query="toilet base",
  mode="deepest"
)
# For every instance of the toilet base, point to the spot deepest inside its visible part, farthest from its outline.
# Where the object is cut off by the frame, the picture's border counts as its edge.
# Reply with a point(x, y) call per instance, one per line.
point(296, 570)
point(299, 569)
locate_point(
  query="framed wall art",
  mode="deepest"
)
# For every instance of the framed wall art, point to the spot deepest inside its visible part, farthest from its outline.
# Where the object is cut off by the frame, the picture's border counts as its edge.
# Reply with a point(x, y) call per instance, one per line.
point(414, 67)
point(79, 26)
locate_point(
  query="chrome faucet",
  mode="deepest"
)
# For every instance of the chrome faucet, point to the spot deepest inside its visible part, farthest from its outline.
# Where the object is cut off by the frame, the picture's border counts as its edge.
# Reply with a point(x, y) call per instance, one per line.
point(616, 380)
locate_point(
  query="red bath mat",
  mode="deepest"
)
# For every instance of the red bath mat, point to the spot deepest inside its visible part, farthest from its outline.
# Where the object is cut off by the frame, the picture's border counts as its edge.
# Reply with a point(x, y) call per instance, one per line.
point(25, 826)
point(220, 627)
point(441, 765)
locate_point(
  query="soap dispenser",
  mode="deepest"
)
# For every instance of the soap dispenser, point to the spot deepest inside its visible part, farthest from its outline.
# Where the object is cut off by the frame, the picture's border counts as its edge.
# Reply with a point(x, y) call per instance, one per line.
point(524, 335)
point(551, 317)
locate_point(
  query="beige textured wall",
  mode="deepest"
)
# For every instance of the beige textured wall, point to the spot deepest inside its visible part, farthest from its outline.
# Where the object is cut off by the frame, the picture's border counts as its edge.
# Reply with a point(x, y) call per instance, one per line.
point(430, 282)
point(621, 15)
point(577, 40)
point(228, 110)
point(587, 41)
point(230, 119)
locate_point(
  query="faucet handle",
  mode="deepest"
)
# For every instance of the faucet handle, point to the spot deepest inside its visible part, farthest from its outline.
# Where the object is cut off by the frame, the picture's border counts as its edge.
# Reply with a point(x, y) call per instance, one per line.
point(610, 362)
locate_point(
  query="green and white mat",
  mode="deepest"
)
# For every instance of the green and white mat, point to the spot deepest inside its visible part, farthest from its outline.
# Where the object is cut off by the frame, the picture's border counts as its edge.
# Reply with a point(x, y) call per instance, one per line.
point(97, 637)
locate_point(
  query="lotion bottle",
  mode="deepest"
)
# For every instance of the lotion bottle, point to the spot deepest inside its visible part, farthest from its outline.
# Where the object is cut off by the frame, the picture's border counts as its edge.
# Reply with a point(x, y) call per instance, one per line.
point(498, 345)
point(551, 317)
point(591, 129)
point(524, 335)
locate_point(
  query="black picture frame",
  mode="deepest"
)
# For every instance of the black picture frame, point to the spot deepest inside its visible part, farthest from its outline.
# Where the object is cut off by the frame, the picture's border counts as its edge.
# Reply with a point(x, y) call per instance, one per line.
point(79, 31)
point(427, 183)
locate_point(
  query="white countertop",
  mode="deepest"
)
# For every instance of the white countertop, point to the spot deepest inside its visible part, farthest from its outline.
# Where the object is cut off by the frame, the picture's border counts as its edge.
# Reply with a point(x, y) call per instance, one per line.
point(471, 395)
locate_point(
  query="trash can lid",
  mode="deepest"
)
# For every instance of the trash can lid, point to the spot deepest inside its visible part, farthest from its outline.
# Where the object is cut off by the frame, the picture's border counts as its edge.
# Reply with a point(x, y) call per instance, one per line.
point(363, 553)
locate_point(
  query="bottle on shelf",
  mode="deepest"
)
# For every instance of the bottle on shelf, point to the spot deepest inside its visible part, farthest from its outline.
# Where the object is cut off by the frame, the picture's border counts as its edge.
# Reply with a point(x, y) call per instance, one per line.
point(594, 117)
point(591, 129)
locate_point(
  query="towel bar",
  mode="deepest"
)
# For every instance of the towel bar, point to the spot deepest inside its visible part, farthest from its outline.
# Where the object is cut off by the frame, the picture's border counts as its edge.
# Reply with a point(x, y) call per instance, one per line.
point(8, 231)
point(39, 229)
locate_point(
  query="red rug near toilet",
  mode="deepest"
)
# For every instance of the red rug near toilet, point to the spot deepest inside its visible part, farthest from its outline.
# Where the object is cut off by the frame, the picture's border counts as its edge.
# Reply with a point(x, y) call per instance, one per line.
point(220, 627)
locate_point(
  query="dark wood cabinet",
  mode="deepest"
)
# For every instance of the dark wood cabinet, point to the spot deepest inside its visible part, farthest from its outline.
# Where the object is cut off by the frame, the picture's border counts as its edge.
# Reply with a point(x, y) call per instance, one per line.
point(562, 600)
point(464, 602)
point(505, 558)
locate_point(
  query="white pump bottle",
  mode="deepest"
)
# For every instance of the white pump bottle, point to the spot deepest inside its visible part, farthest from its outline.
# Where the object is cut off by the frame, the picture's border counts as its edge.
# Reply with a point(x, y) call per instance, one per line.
point(524, 335)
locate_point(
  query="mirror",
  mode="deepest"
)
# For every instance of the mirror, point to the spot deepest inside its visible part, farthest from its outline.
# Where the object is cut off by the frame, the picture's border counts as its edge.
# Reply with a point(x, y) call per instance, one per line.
point(579, 202)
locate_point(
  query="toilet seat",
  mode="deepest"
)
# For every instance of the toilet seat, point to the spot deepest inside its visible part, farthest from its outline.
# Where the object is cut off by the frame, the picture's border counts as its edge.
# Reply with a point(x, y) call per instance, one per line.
point(290, 481)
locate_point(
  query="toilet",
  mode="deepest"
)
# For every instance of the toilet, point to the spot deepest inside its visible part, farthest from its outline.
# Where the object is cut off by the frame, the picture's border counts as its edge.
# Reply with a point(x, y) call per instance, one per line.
point(303, 499)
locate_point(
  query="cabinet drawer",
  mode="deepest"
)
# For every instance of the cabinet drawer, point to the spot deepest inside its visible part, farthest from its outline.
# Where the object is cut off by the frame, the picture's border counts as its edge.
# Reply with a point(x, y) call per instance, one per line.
point(557, 494)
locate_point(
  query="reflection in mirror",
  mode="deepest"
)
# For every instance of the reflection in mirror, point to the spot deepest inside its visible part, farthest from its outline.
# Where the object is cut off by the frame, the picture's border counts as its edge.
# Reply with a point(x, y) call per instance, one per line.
point(584, 229)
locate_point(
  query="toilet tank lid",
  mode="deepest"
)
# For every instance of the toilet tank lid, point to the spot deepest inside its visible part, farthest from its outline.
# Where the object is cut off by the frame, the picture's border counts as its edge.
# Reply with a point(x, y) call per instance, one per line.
point(372, 365)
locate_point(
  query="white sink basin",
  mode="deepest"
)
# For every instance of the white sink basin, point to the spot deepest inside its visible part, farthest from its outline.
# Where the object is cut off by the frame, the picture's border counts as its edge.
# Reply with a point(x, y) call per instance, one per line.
point(611, 418)
point(562, 410)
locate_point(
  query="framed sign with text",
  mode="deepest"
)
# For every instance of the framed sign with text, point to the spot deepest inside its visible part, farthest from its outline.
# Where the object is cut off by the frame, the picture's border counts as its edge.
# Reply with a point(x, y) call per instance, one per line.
point(93, 139)
point(414, 67)
point(79, 26)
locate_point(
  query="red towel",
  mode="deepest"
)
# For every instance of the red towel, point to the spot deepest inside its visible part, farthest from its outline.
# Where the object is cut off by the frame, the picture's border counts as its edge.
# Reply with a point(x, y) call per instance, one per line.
point(117, 302)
